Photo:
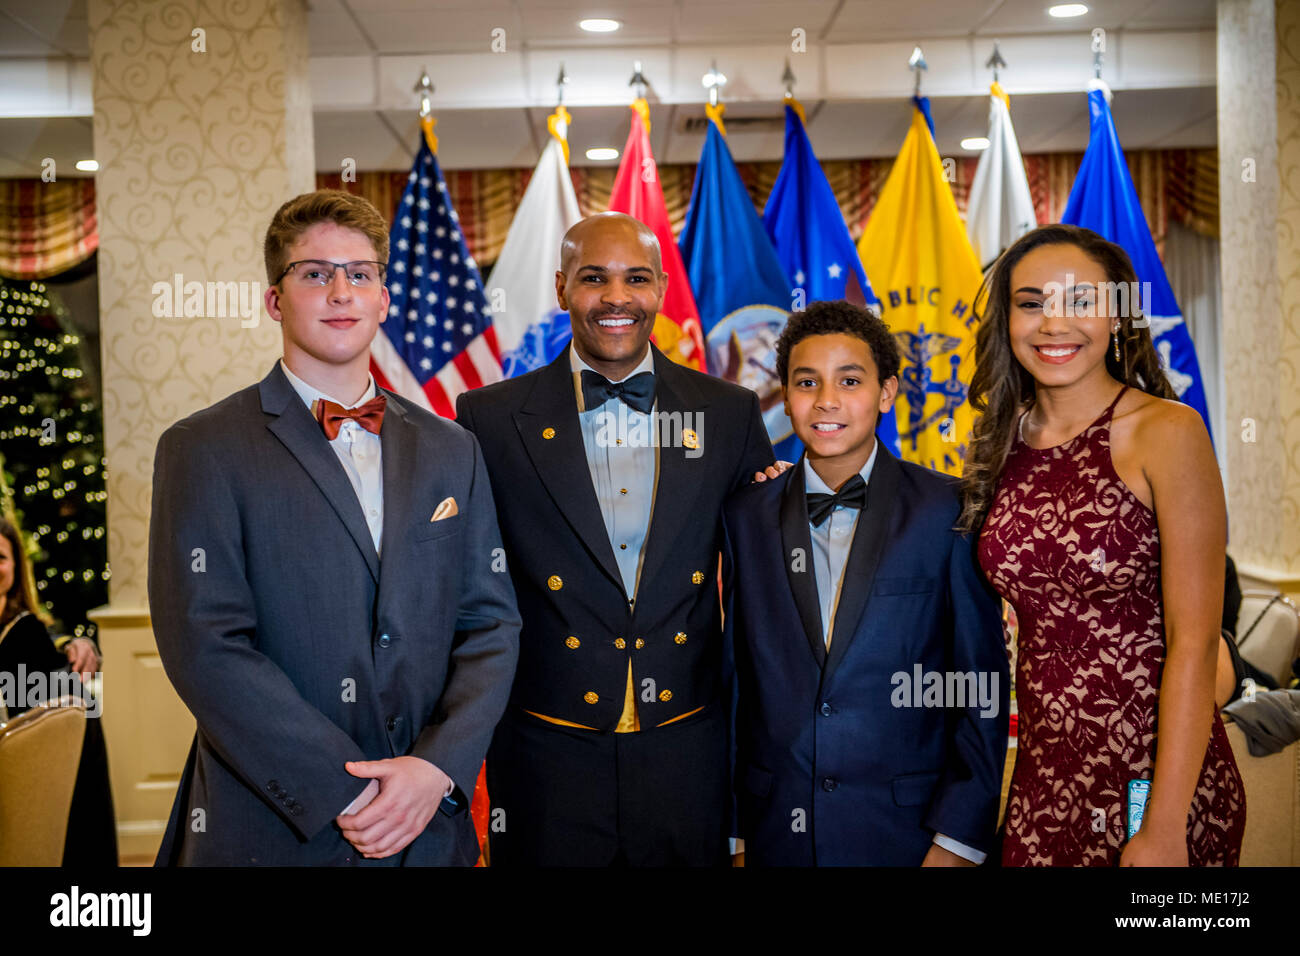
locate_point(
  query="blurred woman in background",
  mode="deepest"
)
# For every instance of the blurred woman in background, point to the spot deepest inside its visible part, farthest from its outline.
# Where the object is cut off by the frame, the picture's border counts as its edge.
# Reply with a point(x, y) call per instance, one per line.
point(25, 642)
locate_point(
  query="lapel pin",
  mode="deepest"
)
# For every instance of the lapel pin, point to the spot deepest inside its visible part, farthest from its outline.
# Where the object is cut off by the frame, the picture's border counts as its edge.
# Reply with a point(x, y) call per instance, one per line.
point(548, 433)
point(690, 439)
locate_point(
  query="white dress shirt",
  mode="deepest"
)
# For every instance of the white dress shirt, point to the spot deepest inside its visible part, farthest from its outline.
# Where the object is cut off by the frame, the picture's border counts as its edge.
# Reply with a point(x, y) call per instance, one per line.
point(623, 471)
point(358, 451)
point(831, 543)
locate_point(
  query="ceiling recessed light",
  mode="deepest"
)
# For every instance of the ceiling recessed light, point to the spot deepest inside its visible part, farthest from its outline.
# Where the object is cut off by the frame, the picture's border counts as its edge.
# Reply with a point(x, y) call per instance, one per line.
point(602, 152)
point(87, 165)
point(1064, 11)
point(599, 25)
point(975, 142)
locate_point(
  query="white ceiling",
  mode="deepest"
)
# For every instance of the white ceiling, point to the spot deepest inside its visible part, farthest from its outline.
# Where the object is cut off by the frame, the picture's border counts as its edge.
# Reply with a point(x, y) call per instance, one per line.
point(492, 108)
point(42, 28)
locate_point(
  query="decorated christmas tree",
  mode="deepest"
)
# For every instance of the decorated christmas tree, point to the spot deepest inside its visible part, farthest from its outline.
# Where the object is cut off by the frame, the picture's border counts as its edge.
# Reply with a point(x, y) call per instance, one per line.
point(51, 445)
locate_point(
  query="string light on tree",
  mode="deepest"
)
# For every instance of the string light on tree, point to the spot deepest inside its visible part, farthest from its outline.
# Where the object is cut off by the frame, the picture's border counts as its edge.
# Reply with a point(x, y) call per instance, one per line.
point(52, 451)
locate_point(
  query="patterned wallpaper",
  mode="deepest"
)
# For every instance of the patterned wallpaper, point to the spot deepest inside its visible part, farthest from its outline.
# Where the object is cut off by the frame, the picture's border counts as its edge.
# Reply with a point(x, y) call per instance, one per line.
point(197, 148)
point(1259, 182)
point(1287, 382)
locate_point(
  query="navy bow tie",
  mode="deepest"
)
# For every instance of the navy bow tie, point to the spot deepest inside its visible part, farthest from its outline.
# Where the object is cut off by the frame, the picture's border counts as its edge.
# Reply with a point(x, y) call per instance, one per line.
point(852, 495)
point(637, 392)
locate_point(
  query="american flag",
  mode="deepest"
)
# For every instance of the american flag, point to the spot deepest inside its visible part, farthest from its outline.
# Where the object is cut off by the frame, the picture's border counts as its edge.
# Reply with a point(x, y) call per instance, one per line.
point(438, 339)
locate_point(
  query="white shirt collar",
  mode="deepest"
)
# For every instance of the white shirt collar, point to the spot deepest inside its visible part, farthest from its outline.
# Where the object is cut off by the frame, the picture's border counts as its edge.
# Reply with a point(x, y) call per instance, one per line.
point(309, 393)
point(814, 485)
point(647, 364)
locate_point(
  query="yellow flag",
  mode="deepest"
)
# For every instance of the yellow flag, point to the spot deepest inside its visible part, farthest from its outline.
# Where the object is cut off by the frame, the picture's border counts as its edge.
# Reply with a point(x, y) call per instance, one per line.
point(922, 267)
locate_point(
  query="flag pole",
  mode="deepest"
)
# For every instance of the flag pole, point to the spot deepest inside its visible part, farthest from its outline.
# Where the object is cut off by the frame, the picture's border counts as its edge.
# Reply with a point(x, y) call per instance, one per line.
point(916, 63)
point(557, 124)
point(995, 61)
point(638, 81)
point(424, 86)
point(714, 81)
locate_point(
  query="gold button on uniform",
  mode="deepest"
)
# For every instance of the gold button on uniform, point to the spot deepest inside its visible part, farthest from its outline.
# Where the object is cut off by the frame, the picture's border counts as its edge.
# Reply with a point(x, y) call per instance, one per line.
point(548, 433)
point(665, 695)
point(680, 637)
point(697, 577)
point(554, 582)
point(622, 491)
point(622, 547)
point(591, 697)
point(620, 643)
point(639, 643)
point(571, 642)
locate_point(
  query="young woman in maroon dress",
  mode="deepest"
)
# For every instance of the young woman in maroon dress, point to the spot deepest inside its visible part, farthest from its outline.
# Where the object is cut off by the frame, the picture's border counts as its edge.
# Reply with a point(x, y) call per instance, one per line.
point(1102, 521)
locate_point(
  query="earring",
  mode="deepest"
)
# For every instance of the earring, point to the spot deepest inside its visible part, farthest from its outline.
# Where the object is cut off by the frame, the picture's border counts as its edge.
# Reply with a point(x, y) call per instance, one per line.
point(1115, 335)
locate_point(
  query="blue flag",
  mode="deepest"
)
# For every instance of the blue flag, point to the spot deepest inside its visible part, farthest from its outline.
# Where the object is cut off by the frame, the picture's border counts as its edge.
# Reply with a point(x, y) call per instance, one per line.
point(811, 238)
point(1103, 199)
point(740, 288)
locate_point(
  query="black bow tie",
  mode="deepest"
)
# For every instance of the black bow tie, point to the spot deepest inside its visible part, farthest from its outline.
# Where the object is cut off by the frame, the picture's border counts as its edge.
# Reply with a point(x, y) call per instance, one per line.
point(637, 392)
point(852, 495)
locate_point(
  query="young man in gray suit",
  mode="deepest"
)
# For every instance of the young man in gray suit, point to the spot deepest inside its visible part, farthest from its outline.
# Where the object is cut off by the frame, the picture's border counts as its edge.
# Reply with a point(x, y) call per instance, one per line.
point(322, 587)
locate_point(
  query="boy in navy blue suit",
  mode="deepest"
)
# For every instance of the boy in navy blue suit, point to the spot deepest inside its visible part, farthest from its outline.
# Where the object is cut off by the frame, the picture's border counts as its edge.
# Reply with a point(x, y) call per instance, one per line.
point(871, 723)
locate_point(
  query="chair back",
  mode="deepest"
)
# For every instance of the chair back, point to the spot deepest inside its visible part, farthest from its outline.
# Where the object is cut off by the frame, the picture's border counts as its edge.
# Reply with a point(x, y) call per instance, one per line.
point(40, 752)
point(1268, 632)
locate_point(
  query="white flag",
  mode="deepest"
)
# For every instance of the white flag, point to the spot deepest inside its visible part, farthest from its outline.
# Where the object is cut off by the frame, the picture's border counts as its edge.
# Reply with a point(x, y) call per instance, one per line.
point(531, 328)
point(1000, 209)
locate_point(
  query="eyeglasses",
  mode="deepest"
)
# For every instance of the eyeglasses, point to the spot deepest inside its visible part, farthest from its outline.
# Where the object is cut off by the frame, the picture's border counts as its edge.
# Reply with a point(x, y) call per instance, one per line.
point(362, 273)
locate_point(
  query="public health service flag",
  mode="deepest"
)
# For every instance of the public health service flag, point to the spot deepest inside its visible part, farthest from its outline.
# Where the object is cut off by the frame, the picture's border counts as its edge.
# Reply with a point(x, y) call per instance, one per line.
point(741, 290)
point(927, 275)
point(1103, 199)
point(438, 339)
point(1000, 209)
point(811, 239)
point(531, 328)
point(637, 192)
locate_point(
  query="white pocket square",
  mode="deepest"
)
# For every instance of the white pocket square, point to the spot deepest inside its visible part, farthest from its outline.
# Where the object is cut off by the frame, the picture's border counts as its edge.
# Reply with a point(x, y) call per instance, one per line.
point(445, 510)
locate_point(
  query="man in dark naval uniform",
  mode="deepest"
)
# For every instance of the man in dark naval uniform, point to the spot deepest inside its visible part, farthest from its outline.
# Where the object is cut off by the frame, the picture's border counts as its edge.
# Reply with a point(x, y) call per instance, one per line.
point(609, 468)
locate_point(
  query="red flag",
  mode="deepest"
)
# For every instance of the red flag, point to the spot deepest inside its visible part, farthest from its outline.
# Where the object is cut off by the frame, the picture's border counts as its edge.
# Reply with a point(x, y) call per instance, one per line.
point(638, 193)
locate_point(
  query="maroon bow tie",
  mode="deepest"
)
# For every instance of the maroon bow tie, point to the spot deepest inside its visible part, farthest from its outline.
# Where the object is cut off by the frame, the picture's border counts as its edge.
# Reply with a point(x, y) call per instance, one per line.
point(331, 415)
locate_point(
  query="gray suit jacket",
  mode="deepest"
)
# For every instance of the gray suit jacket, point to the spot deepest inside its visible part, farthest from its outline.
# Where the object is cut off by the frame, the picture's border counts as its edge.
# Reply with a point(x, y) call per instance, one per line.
point(297, 649)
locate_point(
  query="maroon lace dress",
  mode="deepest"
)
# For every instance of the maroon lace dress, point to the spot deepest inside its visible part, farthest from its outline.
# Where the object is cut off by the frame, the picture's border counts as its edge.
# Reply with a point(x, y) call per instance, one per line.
point(1078, 556)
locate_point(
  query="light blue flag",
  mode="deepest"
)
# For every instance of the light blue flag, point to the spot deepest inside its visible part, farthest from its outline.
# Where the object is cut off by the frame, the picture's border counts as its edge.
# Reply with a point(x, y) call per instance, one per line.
point(812, 240)
point(1103, 199)
point(740, 288)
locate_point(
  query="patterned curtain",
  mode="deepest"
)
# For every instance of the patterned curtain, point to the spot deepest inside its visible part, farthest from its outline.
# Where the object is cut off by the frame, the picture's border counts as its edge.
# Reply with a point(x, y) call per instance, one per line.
point(1178, 185)
point(46, 228)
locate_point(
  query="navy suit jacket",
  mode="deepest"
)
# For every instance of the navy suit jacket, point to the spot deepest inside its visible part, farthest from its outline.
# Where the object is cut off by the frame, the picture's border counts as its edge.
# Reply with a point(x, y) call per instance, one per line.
point(297, 649)
point(830, 770)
